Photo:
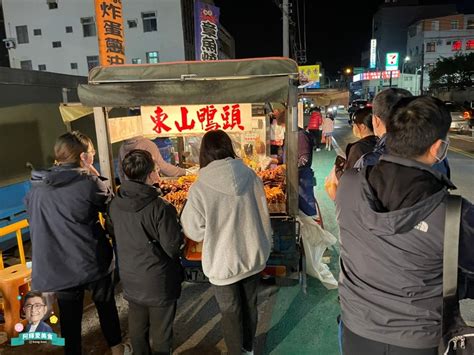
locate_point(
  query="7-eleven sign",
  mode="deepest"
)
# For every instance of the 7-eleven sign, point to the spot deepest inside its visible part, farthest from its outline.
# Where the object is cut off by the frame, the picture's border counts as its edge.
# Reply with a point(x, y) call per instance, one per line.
point(391, 62)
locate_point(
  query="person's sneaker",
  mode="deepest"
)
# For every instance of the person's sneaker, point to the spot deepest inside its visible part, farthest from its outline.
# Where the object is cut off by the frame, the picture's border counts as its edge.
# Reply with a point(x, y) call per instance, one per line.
point(318, 149)
point(245, 352)
point(122, 349)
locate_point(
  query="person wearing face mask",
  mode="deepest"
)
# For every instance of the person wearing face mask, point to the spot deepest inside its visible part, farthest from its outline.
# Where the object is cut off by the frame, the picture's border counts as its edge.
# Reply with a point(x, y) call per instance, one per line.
point(382, 114)
point(148, 238)
point(391, 219)
point(361, 128)
point(70, 251)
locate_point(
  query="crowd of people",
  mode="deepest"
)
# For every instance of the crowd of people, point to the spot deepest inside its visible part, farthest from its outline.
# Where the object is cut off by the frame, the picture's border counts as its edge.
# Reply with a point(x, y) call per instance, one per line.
point(391, 199)
point(226, 209)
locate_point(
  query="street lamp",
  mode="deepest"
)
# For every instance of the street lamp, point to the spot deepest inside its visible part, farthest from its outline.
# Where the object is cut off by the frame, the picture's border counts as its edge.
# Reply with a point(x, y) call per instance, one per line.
point(417, 70)
point(405, 61)
point(348, 71)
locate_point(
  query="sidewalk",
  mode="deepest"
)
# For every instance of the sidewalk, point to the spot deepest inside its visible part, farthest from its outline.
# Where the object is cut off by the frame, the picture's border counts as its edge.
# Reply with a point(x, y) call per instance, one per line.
point(306, 324)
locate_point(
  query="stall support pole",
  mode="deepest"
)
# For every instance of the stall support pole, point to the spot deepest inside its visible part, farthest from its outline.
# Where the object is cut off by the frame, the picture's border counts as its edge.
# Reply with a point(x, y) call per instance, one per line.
point(104, 148)
point(292, 151)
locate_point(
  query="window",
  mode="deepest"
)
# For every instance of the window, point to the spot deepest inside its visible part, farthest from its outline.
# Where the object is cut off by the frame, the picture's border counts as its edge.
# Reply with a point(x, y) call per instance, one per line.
point(136, 61)
point(26, 65)
point(57, 44)
point(132, 23)
point(470, 45)
point(22, 34)
point(52, 4)
point(68, 29)
point(431, 47)
point(434, 25)
point(455, 25)
point(417, 50)
point(152, 57)
point(92, 61)
point(42, 67)
point(456, 46)
point(412, 31)
point(73, 65)
point(470, 24)
point(448, 43)
point(88, 26)
point(37, 32)
point(149, 21)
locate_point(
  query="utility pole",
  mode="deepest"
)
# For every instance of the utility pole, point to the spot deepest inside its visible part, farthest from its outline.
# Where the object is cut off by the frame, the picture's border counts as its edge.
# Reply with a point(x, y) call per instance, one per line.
point(286, 42)
point(422, 66)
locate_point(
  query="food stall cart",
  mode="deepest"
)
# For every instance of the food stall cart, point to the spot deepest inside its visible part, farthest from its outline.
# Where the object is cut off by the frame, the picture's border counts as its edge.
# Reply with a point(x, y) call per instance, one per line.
point(184, 100)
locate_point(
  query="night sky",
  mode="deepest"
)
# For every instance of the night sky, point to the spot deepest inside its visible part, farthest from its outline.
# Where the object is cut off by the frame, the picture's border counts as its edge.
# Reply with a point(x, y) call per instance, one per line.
point(336, 31)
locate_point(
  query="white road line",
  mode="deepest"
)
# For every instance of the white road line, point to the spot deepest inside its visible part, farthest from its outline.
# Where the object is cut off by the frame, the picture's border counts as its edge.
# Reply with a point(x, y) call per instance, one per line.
point(462, 138)
point(193, 308)
point(199, 335)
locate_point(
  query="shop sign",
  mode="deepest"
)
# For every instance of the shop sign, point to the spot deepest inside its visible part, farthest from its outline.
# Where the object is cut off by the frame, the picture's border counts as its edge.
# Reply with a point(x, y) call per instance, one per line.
point(309, 74)
point(206, 28)
point(373, 53)
point(168, 121)
point(376, 75)
point(391, 62)
point(110, 32)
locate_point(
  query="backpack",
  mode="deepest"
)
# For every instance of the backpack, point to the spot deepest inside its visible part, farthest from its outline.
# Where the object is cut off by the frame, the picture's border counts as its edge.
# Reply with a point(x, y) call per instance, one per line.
point(457, 335)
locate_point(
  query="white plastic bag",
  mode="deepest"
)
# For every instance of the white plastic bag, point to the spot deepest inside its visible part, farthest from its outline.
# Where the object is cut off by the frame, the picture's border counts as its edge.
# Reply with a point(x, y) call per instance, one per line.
point(315, 241)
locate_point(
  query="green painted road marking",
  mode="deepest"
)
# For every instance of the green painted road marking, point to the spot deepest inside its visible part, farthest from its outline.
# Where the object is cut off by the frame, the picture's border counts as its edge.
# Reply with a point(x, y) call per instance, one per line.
point(306, 324)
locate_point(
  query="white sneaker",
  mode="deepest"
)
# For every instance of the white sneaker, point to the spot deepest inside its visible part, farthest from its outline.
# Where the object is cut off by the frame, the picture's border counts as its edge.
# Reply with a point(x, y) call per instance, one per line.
point(122, 349)
point(318, 149)
point(245, 352)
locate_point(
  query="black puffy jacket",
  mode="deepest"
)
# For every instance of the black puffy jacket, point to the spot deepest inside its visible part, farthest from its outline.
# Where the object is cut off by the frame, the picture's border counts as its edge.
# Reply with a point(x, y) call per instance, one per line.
point(151, 276)
point(69, 245)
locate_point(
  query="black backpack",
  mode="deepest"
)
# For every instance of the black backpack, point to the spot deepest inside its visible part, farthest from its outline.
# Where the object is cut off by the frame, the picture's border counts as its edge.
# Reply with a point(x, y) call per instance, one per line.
point(457, 336)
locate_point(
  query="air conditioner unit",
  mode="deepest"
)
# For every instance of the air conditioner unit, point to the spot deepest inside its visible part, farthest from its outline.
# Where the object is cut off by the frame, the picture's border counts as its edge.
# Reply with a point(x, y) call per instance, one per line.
point(10, 43)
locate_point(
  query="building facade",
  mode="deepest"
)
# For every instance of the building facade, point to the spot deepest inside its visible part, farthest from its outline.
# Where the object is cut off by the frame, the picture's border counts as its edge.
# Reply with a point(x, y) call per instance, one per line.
point(367, 85)
point(391, 22)
point(439, 37)
point(60, 35)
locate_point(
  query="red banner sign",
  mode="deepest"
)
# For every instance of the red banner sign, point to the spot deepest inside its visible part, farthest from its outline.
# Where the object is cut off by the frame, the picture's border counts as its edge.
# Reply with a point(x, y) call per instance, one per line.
point(195, 119)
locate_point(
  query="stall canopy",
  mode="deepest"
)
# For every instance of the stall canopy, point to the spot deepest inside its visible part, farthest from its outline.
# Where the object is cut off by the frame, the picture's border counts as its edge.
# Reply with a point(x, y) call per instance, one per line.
point(328, 97)
point(70, 113)
point(217, 82)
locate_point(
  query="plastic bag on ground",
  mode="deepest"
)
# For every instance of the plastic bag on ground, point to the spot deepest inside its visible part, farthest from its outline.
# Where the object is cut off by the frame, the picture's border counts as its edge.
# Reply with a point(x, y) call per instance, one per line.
point(315, 241)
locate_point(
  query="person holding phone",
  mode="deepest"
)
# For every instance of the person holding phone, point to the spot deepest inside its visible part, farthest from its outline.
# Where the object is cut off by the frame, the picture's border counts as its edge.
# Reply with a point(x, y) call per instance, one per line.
point(70, 251)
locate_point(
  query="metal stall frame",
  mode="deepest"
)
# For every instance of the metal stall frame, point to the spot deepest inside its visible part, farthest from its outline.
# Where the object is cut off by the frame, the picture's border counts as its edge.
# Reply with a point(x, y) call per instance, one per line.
point(249, 81)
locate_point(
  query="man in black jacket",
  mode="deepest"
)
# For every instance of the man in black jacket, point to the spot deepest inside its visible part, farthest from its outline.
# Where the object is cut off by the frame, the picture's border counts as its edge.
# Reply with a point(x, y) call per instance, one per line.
point(391, 219)
point(148, 239)
point(382, 108)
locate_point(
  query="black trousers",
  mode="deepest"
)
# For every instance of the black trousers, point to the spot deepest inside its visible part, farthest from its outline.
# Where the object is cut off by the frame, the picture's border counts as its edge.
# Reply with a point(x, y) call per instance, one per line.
point(316, 133)
point(353, 344)
point(71, 308)
point(155, 323)
point(238, 305)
